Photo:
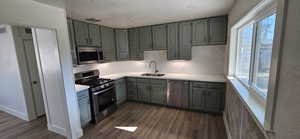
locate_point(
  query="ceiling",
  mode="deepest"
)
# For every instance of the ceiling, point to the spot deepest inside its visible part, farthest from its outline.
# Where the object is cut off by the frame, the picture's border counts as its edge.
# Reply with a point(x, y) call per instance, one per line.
point(133, 13)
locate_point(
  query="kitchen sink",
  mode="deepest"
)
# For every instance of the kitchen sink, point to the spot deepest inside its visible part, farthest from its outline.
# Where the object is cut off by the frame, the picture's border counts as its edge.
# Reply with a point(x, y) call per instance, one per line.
point(153, 74)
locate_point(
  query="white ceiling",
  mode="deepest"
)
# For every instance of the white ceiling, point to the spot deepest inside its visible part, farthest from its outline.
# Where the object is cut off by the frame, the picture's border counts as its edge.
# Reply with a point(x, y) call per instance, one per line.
point(133, 13)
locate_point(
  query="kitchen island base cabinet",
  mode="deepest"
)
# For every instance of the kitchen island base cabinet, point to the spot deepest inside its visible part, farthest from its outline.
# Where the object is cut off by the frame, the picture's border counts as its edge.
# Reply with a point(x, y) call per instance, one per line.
point(84, 107)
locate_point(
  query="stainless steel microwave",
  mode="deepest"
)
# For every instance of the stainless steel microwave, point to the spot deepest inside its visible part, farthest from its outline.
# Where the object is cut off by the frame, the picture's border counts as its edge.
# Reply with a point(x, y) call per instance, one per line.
point(89, 55)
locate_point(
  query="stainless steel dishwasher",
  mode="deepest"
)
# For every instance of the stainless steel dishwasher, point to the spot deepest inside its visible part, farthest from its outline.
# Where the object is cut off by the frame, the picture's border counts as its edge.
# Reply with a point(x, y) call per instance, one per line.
point(178, 93)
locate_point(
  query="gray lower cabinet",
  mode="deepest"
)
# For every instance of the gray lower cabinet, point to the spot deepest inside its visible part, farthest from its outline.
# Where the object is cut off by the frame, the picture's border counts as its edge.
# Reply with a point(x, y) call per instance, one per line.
point(217, 30)
point(207, 96)
point(185, 40)
point(84, 107)
point(173, 41)
point(131, 89)
point(121, 90)
point(108, 44)
point(122, 44)
point(72, 42)
point(143, 90)
point(159, 36)
point(158, 91)
point(145, 38)
point(135, 53)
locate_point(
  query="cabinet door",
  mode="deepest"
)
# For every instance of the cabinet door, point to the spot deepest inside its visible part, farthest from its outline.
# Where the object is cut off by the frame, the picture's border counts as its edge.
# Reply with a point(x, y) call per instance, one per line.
point(85, 111)
point(120, 90)
point(218, 30)
point(197, 98)
point(185, 40)
point(122, 44)
point(159, 33)
point(145, 38)
point(131, 90)
point(134, 45)
point(143, 92)
point(72, 41)
point(173, 41)
point(213, 100)
point(94, 35)
point(108, 44)
point(159, 92)
point(81, 33)
point(200, 32)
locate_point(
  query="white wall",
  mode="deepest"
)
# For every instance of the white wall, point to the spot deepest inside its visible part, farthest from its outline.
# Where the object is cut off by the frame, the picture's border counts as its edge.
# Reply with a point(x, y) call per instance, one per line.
point(205, 60)
point(12, 98)
point(30, 13)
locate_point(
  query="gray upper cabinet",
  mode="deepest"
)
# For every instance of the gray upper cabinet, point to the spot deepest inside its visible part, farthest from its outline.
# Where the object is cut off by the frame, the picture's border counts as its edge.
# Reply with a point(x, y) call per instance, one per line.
point(94, 35)
point(135, 52)
point(145, 38)
point(81, 33)
point(158, 91)
point(173, 41)
point(217, 30)
point(122, 44)
point(108, 44)
point(185, 40)
point(200, 32)
point(120, 90)
point(159, 33)
point(72, 41)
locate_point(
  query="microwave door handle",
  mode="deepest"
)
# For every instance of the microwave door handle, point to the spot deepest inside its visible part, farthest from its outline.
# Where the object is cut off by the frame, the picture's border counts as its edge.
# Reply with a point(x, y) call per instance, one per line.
point(96, 93)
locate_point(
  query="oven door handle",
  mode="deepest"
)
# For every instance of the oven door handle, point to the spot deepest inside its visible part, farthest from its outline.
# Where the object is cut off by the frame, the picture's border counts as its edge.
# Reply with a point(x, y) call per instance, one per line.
point(96, 93)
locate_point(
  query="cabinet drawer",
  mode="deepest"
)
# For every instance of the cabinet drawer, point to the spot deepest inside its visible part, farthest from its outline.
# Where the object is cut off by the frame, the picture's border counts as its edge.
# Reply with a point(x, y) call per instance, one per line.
point(158, 81)
point(199, 84)
point(216, 85)
point(82, 94)
point(142, 80)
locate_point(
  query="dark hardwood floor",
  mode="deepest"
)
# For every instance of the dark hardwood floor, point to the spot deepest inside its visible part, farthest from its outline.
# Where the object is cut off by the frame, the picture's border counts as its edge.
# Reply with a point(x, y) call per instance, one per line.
point(14, 128)
point(156, 122)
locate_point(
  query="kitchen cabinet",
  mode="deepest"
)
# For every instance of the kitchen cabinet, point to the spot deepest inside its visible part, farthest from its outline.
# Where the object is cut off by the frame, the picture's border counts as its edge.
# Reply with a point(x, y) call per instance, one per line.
point(178, 94)
point(185, 40)
point(81, 33)
point(120, 90)
point(217, 30)
point(200, 32)
point(159, 33)
point(84, 107)
point(173, 41)
point(135, 52)
point(158, 89)
point(94, 35)
point(108, 44)
point(207, 96)
point(122, 44)
point(72, 42)
point(145, 38)
point(131, 89)
point(87, 34)
point(143, 90)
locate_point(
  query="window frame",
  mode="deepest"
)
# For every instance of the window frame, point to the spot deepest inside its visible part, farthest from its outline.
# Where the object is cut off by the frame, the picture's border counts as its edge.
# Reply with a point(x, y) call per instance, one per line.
point(250, 86)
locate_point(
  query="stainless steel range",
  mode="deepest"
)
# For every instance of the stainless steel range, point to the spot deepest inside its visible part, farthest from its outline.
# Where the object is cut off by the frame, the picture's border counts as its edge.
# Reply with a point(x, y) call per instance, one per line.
point(102, 94)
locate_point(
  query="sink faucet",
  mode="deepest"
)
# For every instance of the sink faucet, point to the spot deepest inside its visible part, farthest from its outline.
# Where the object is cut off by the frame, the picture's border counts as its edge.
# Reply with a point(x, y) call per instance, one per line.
point(155, 64)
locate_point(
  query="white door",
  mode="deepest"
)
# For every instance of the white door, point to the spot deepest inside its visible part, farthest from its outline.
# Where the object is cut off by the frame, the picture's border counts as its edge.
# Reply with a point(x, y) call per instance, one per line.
point(34, 77)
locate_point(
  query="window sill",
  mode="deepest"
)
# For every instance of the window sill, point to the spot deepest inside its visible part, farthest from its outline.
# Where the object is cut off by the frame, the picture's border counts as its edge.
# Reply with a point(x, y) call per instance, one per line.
point(255, 106)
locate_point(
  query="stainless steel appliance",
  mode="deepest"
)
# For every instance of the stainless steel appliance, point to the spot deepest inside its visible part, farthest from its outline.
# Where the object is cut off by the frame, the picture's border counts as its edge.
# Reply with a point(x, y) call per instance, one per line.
point(102, 94)
point(89, 55)
point(177, 96)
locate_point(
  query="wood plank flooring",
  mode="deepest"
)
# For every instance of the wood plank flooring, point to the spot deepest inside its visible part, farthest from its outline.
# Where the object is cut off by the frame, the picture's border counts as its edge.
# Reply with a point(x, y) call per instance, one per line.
point(156, 122)
point(14, 128)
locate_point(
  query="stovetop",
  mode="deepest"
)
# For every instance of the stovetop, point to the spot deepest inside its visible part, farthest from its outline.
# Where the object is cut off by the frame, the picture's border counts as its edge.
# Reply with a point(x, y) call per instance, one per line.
point(93, 82)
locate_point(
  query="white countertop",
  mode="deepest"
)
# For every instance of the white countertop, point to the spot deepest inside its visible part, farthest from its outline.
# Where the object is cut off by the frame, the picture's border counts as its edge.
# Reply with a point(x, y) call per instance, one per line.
point(79, 88)
point(170, 76)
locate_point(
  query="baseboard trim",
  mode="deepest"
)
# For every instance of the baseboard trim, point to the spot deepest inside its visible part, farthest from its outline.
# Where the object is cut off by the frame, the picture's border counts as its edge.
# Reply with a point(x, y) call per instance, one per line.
point(226, 126)
point(57, 129)
point(13, 112)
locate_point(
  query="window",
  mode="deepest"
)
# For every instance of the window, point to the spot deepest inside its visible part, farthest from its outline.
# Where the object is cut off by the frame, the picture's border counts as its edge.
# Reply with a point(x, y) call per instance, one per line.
point(254, 54)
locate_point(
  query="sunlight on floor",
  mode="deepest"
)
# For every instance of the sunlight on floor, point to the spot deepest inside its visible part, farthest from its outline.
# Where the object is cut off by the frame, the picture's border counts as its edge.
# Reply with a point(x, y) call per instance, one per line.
point(127, 128)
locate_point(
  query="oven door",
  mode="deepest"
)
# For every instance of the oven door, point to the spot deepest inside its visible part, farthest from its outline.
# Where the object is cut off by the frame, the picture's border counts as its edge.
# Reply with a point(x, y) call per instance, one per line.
point(88, 55)
point(104, 99)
